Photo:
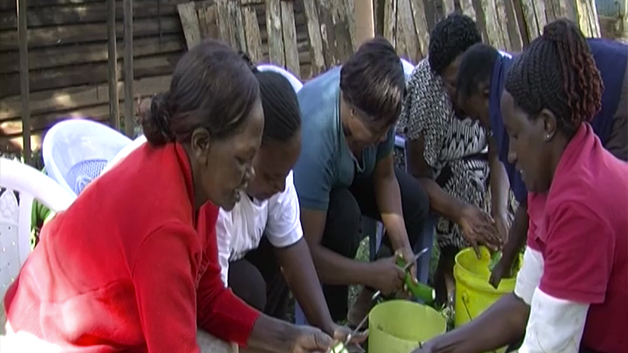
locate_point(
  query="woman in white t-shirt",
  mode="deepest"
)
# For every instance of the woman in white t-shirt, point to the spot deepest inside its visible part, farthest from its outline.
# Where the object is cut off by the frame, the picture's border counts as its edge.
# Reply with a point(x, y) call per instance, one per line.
point(262, 251)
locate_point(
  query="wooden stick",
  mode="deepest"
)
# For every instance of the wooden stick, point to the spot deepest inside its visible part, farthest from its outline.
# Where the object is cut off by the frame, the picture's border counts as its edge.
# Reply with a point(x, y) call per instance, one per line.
point(129, 111)
point(112, 58)
point(24, 86)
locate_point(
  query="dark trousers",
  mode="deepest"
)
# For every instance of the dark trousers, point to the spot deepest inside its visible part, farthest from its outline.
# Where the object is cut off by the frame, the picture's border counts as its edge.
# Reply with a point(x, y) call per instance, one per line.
point(343, 232)
point(257, 279)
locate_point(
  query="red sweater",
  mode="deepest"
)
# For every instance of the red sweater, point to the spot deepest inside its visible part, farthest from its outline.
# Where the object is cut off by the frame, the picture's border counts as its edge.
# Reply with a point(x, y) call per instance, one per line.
point(127, 268)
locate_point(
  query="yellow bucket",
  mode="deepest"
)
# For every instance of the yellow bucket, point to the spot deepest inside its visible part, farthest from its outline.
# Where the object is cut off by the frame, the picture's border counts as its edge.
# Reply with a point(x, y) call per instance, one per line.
point(398, 326)
point(474, 293)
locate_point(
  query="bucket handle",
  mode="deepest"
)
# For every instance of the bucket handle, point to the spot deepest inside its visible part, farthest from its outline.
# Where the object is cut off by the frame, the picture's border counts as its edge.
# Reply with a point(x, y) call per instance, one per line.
point(465, 301)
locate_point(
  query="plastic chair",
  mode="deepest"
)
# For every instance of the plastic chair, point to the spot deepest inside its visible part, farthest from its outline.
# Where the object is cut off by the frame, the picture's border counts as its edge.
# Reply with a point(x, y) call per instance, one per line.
point(294, 81)
point(76, 151)
point(15, 217)
point(139, 141)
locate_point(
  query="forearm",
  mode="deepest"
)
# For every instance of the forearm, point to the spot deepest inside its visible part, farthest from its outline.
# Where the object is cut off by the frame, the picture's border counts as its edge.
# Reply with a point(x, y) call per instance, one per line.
point(501, 324)
point(440, 201)
point(271, 335)
point(335, 269)
point(518, 233)
point(389, 203)
point(300, 274)
point(499, 184)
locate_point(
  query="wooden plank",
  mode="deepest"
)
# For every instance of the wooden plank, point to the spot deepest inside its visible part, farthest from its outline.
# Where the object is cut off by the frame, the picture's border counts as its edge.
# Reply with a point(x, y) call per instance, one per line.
point(24, 82)
point(208, 23)
point(222, 18)
point(46, 58)
point(85, 13)
point(275, 34)
point(91, 73)
point(493, 29)
point(449, 6)
point(237, 26)
point(411, 39)
point(503, 23)
point(74, 97)
point(314, 36)
point(129, 123)
point(468, 8)
point(10, 5)
point(44, 122)
point(190, 24)
point(112, 66)
point(390, 25)
point(344, 41)
point(288, 29)
point(420, 26)
point(252, 32)
point(513, 30)
point(535, 17)
point(587, 18)
point(56, 36)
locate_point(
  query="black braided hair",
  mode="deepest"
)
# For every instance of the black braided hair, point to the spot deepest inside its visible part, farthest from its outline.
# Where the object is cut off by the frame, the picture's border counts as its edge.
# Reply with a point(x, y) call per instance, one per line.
point(282, 116)
point(451, 37)
point(557, 72)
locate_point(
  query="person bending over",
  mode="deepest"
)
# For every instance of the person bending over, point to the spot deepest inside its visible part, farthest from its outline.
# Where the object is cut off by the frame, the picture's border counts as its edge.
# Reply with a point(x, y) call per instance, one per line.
point(570, 294)
point(260, 241)
point(447, 152)
point(480, 83)
point(132, 264)
point(346, 170)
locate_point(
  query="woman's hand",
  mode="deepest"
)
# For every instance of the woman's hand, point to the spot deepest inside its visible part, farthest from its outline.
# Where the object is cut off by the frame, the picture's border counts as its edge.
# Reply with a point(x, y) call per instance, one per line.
point(502, 226)
point(407, 254)
point(387, 277)
point(478, 228)
point(310, 339)
point(342, 332)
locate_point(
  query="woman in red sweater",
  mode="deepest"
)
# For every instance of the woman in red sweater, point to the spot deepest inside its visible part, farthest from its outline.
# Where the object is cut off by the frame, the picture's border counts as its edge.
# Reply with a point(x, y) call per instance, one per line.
point(132, 265)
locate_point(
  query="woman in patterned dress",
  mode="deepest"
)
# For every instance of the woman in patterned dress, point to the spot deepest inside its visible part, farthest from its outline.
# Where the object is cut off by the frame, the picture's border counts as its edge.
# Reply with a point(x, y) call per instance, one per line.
point(449, 153)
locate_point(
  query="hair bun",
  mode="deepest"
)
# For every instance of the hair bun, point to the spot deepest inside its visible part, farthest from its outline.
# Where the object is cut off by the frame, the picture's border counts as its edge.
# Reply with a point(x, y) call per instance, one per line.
point(156, 120)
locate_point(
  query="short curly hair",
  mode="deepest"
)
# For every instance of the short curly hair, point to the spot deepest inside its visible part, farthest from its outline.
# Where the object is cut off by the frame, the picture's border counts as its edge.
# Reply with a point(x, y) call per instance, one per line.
point(451, 37)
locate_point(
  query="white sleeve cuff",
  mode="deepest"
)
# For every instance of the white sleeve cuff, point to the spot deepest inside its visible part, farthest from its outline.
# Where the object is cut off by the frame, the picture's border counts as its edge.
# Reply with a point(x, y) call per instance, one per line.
point(529, 276)
point(554, 326)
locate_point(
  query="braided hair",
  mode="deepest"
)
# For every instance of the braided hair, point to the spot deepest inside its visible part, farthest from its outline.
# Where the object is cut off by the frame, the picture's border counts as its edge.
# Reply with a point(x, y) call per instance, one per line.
point(557, 72)
point(282, 116)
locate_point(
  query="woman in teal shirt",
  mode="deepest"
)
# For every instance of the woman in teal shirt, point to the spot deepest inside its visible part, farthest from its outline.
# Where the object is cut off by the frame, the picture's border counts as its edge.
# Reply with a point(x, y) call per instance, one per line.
point(346, 170)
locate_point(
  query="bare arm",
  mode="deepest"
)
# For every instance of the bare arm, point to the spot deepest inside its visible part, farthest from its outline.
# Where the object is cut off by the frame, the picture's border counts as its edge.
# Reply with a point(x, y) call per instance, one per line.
point(498, 183)
point(501, 324)
point(518, 235)
point(300, 274)
point(332, 268)
point(389, 202)
point(440, 201)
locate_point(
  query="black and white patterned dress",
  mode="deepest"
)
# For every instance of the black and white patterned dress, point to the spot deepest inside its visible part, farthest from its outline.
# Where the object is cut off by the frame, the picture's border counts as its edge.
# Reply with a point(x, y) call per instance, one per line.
point(455, 148)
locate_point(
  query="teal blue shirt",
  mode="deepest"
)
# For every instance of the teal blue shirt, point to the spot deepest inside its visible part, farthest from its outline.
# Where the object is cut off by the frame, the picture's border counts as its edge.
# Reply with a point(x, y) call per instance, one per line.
point(326, 161)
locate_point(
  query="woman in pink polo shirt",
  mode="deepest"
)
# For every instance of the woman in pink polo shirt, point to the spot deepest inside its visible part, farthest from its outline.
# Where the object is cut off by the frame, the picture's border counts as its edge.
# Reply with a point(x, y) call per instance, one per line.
point(572, 290)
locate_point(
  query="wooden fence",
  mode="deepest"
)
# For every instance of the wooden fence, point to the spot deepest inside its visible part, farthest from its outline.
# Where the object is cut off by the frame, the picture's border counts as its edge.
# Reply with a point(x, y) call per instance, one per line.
point(67, 42)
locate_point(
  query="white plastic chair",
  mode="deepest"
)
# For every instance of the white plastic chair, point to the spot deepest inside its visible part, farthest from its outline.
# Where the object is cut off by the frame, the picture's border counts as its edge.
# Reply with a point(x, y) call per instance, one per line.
point(76, 151)
point(139, 141)
point(15, 217)
point(294, 81)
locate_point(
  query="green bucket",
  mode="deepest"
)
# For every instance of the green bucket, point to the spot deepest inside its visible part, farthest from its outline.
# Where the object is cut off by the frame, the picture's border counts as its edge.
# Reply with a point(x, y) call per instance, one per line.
point(399, 326)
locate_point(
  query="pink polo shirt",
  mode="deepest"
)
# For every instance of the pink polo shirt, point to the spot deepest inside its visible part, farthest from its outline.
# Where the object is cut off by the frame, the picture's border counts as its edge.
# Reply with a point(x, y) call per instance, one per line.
point(581, 230)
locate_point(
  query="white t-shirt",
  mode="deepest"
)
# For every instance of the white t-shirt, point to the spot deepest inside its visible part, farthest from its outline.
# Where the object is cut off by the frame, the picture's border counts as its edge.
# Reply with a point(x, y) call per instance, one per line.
point(555, 325)
point(240, 230)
